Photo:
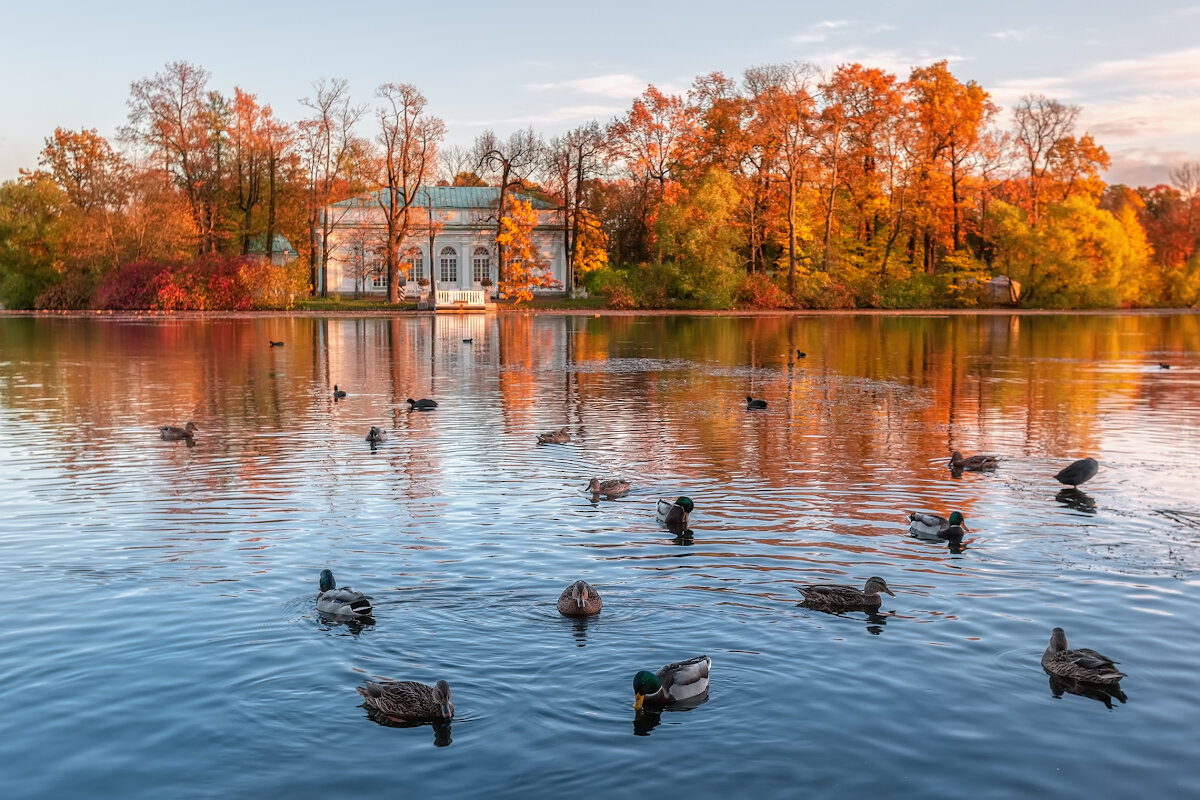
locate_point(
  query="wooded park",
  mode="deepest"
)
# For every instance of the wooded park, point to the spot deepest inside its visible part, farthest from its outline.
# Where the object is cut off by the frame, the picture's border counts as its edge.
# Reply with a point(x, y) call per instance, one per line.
point(790, 187)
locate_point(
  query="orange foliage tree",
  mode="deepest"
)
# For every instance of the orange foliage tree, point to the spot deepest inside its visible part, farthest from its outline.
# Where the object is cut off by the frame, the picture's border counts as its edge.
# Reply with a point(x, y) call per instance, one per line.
point(527, 269)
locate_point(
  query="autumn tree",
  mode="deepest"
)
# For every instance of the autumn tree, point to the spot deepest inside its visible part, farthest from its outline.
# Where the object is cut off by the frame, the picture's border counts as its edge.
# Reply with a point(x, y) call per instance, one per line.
point(784, 118)
point(528, 269)
point(331, 152)
point(408, 140)
point(571, 161)
point(510, 162)
point(174, 114)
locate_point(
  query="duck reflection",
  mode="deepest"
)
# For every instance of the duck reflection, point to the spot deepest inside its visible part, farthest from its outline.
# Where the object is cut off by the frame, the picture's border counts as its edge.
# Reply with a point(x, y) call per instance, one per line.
point(441, 730)
point(353, 625)
point(1105, 693)
point(1076, 499)
point(955, 542)
point(647, 718)
point(579, 627)
point(685, 538)
point(876, 620)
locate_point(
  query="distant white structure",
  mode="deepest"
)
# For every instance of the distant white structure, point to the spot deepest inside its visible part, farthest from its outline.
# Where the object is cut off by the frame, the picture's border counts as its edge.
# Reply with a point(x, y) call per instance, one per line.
point(464, 248)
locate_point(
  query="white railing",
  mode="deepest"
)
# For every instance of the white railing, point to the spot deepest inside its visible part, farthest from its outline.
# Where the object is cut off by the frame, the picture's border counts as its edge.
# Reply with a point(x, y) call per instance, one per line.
point(455, 297)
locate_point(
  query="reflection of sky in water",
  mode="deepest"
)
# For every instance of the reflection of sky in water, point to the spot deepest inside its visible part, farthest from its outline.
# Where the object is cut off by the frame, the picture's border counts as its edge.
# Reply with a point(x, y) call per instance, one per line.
point(174, 586)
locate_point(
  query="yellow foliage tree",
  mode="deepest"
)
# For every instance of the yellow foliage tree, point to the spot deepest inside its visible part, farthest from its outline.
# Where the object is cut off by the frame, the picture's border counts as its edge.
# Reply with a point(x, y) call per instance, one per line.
point(591, 245)
point(526, 269)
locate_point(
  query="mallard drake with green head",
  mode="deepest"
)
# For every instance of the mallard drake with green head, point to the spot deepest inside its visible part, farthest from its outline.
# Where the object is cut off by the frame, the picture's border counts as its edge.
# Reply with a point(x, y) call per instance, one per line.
point(931, 525)
point(580, 599)
point(376, 434)
point(343, 602)
point(1082, 664)
point(837, 597)
point(560, 436)
point(170, 433)
point(1078, 472)
point(973, 463)
point(405, 701)
point(610, 488)
point(682, 680)
point(675, 515)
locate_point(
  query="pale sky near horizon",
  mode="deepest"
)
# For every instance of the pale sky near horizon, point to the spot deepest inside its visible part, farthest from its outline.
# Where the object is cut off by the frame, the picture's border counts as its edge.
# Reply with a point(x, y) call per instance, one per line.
point(1134, 68)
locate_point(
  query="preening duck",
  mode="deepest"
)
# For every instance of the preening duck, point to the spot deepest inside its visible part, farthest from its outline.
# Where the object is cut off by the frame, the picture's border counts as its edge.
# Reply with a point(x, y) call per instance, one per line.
point(675, 515)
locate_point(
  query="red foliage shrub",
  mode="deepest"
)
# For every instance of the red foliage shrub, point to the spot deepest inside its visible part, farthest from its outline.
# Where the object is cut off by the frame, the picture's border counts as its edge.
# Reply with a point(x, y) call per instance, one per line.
point(131, 287)
point(758, 290)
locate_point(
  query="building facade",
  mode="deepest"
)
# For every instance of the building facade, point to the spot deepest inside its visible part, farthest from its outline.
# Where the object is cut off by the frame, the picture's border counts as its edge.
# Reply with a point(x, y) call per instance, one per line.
point(463, 255)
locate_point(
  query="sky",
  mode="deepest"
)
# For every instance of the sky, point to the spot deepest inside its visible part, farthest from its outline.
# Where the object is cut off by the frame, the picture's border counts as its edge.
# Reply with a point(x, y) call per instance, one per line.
point(1132, 67)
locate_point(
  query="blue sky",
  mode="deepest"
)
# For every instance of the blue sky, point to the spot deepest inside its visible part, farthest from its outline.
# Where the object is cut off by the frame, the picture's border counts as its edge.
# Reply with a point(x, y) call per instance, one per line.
point(1133, 67)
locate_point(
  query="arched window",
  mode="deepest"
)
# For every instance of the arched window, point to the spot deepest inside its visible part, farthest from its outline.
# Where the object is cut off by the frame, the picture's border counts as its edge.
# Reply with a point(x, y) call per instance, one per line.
point(448, 261)
point(481, 264)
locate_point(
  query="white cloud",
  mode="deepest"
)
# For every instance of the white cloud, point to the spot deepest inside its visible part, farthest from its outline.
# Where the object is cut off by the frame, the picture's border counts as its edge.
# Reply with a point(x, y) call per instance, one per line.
point(896, 62)
point(614, 85)
point(1007, 92)
point(554, 116)
point(1142, 118)
point(1177, 69)
point(819, 31)
point(1146, 166)
point(1013, 34)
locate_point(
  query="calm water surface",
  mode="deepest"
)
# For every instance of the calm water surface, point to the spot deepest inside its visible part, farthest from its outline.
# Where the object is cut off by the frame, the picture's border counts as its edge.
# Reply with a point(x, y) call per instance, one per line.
point(160, 637)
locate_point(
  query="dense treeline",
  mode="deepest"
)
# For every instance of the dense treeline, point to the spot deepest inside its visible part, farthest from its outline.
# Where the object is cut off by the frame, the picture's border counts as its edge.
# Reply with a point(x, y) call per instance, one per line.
point(789, 188)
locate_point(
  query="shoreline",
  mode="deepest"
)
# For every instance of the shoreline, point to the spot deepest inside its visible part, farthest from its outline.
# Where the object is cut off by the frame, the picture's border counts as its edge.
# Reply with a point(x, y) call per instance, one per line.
point(594, 312)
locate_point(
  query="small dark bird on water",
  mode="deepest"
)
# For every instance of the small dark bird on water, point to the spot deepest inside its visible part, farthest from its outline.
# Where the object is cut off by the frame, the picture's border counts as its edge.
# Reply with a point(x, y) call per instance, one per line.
point(423, 404)
point(467, 341)
point(275, 344)
point(751, 403)
point(338, 393)
point(801, 354)
point(1079, 472)
point(1161, 365)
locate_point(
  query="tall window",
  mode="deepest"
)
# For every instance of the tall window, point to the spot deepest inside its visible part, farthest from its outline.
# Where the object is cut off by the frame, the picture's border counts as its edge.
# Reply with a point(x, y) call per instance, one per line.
point(448, 261)
point(417, 259)
point(481, 263)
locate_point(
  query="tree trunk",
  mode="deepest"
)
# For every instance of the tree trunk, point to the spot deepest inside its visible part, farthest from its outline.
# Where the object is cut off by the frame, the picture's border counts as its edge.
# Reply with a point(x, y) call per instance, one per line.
point(791, 218)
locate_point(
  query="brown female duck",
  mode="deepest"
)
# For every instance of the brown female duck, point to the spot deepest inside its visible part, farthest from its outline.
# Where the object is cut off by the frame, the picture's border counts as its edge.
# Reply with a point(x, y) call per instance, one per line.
point(1083, 665)
point(580, 599)
point(838, 597)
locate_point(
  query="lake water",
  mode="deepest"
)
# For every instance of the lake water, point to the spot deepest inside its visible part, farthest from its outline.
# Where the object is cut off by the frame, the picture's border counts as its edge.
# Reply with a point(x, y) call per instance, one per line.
point(160, 637)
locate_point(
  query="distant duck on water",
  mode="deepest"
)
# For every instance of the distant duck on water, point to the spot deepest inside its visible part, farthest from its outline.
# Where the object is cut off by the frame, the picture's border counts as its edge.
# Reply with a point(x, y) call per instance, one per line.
point(407, 701)
point(376, 435)
point(751, 403)
point(275, 344)
point(338, 394)
point(973, 463)
point(424, 404)
point(611, 488)
point(170, 433)
point(560, 436)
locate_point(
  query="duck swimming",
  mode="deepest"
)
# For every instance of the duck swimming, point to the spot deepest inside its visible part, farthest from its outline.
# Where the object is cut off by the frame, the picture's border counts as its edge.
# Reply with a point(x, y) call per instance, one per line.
point(170, 433)
point(343, 602)
point(404, 701)
point(838, 597)
point(376, 434)
point(931, 525)
point(560, 436)
point(1084, 665)
point(973, 463)
point(338, 394)
point(751, 403)
point(674, 682)
point(580, 599)
point(424, 404)
point(610, 488)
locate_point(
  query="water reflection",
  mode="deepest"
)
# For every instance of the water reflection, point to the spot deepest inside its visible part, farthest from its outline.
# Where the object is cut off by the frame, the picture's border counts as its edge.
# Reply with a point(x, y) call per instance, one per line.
point(1076, 499)
point(1102, 693)
point(441, 729)
point(646, 718)
point(352, 625)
